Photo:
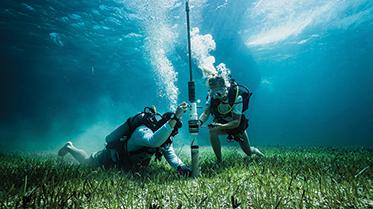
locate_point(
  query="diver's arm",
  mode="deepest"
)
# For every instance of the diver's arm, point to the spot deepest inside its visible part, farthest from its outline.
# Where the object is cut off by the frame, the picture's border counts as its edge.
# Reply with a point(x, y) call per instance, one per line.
point(204, 116)
point(171, 157)
point(144, 137)
point(182, 108)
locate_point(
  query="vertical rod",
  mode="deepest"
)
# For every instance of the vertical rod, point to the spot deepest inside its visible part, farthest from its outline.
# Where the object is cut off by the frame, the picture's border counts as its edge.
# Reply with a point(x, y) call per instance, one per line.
point(189, 45)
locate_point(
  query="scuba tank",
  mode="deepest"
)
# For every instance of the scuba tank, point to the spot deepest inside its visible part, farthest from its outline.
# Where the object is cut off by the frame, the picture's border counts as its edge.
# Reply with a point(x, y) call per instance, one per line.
point(239, 90)
point(120, 135)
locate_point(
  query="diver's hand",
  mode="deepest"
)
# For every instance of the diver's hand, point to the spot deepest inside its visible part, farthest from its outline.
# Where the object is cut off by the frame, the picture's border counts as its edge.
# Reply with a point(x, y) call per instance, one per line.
point(182, 108)
point(184, 170)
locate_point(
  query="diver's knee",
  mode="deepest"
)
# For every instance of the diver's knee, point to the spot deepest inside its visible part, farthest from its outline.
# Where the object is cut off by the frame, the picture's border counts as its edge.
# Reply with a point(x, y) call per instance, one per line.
point(89, 162)
point(214, 132)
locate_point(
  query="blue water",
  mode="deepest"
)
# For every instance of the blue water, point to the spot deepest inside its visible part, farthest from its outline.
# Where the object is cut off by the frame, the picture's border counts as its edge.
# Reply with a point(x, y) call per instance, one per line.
point(77, 69)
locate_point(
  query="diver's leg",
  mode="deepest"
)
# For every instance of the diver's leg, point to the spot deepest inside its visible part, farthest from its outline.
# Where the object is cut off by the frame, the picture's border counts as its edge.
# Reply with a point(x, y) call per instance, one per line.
point(80, 155)
point(215, 143)
point(256, 151)
point(245, 146)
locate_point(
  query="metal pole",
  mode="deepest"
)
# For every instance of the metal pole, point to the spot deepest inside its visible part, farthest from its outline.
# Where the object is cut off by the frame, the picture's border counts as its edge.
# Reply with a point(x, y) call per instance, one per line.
point(193, 114)
point(189, 45)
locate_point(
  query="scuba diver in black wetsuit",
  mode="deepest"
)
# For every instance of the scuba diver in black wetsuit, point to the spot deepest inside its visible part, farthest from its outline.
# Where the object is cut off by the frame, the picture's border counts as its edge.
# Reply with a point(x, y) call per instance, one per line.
point(226, 105)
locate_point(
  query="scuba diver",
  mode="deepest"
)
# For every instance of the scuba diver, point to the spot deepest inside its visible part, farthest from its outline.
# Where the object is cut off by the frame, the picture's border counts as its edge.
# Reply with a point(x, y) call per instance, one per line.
point(132, 145)
point(227, 105)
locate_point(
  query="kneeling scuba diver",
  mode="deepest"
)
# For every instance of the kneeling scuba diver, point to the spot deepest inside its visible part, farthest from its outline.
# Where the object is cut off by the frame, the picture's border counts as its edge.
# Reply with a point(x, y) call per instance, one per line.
point(132, 145)
point(227, 105)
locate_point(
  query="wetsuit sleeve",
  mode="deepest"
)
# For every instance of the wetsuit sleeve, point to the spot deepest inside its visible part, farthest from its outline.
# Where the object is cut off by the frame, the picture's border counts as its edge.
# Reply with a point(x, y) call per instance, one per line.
point(237, 107)
point(144, 137)
point(171, 157)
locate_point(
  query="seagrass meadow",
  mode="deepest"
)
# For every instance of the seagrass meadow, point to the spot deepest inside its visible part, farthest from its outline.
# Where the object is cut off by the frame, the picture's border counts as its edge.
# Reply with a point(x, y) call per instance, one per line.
point(77, 70)
point(287, 177)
